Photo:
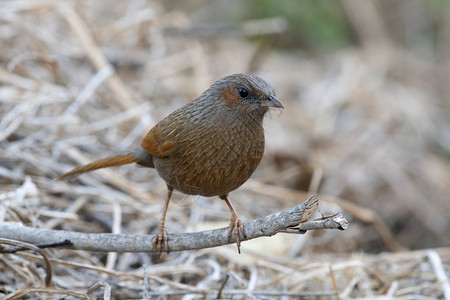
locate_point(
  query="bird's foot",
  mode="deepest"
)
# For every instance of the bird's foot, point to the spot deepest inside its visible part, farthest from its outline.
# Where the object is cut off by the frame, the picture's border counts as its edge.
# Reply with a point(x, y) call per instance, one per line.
point(238, 228)
point(160, 239)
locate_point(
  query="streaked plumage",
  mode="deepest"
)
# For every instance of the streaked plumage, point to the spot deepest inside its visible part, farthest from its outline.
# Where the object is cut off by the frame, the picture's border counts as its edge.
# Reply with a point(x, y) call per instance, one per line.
point(208, 147)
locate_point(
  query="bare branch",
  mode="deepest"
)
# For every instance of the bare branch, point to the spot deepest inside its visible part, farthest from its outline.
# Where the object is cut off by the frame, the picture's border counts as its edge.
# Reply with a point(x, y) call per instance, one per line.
point(292, 220)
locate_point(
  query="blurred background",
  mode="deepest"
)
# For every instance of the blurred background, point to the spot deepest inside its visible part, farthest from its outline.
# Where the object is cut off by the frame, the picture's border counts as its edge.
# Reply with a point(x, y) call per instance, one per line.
point(366, 124)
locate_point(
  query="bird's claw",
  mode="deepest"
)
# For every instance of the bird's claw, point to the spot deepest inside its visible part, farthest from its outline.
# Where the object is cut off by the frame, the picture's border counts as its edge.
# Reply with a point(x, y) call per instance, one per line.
point(238, 228)
point(160, 239)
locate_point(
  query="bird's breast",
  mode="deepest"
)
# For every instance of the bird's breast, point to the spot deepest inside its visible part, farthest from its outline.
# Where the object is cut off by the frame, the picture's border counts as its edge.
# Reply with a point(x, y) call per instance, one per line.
point(213, 159)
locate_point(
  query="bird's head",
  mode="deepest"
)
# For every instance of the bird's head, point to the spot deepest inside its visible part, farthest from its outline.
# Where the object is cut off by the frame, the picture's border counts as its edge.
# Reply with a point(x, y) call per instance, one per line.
point(248, 94)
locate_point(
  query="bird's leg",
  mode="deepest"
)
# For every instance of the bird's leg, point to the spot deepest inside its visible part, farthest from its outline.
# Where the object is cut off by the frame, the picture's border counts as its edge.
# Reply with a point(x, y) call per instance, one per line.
point(235, 224)
point(161, 236)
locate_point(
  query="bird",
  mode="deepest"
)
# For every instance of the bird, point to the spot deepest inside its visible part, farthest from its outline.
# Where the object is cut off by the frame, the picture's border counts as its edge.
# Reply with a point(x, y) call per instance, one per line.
point(208, 147)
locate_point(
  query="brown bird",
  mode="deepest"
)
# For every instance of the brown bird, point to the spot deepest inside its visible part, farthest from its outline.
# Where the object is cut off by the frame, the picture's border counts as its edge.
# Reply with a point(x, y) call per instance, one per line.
point(208, 147)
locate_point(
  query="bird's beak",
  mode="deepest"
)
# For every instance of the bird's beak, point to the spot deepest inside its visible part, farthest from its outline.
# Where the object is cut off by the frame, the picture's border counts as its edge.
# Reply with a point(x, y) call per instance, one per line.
point(272, 101)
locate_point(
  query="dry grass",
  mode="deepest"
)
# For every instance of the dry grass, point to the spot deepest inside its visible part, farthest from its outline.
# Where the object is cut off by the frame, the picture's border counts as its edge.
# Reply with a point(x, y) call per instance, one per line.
point(359, 125)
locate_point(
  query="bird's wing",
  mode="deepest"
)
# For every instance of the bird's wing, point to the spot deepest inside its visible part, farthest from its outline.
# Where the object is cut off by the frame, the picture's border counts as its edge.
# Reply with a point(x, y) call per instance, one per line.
point(168, 135)
point(157, 142)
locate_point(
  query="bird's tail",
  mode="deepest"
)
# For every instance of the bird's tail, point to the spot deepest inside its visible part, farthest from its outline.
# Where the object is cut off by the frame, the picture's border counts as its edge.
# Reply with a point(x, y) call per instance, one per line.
point(112, 161)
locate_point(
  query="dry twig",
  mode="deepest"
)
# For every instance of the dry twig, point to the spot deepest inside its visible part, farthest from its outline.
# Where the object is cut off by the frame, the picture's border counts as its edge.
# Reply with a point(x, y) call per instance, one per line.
point(48, 266)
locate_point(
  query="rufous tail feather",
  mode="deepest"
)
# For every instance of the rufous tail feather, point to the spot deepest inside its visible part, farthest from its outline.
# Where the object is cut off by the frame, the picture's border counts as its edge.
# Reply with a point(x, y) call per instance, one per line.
point(112, 161)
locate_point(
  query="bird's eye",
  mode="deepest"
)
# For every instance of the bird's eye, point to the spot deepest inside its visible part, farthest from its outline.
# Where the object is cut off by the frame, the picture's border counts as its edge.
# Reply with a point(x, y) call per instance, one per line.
point(243, 92)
